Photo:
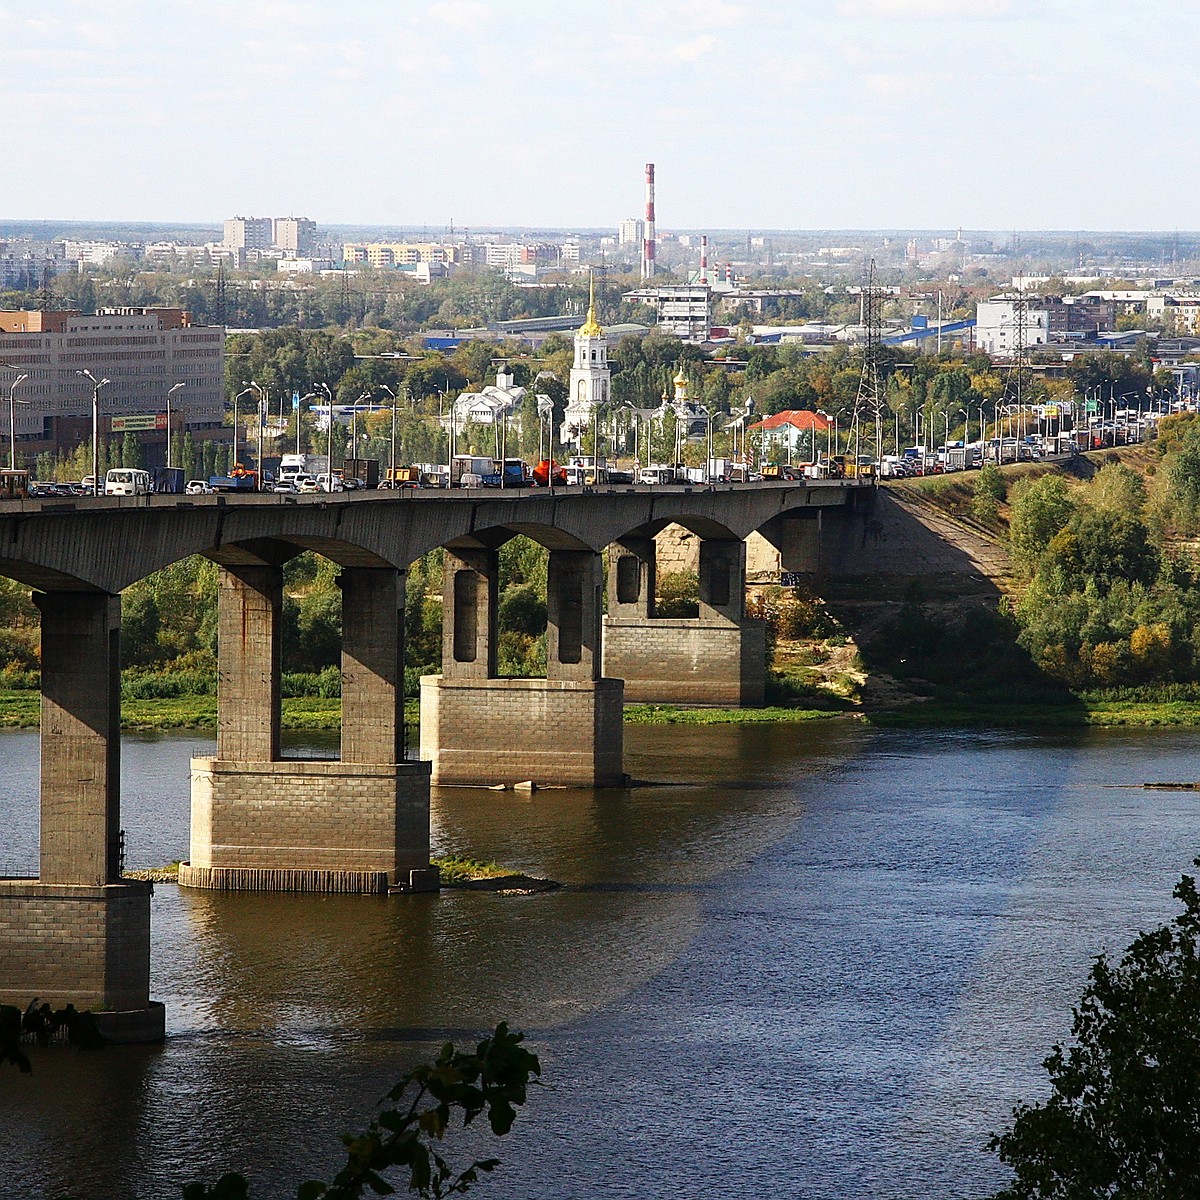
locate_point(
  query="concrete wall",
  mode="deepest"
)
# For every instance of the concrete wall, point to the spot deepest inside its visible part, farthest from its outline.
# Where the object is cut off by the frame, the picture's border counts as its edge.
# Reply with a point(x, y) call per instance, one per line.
point(307, 825)
point(81, 945)
point(551, 731)
point(666, 661)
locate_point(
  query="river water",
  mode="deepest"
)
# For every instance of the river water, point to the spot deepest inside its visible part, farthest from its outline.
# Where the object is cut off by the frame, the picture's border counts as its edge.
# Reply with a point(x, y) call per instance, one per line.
point(815, 961)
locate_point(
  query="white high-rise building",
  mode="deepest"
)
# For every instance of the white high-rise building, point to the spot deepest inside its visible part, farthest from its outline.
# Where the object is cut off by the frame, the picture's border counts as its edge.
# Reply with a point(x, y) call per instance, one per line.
point(631, 231)
point(296, 234)
point(248, 233)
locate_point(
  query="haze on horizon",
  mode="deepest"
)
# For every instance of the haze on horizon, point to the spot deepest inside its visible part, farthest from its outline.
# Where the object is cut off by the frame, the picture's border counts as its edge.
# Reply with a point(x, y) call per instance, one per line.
point(814, 114)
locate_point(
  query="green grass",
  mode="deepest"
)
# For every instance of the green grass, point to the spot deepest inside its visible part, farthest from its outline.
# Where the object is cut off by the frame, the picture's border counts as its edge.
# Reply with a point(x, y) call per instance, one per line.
point(946, 715)
point(669, 714)
point(461, 870)
point(22, 709)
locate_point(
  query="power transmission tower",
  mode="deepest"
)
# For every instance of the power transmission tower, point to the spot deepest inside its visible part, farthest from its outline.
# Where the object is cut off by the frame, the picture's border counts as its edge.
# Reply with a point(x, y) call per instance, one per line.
point(869, 402)
point(1020, 346)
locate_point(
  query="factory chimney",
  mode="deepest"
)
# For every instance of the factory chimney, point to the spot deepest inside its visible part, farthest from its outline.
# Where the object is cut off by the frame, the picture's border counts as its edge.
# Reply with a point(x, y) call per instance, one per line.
point(648, 242)
point(704, 260)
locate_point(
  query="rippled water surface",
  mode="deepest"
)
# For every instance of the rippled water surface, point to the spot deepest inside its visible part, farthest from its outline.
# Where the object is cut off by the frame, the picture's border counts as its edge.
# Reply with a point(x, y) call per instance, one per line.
point(813, 961)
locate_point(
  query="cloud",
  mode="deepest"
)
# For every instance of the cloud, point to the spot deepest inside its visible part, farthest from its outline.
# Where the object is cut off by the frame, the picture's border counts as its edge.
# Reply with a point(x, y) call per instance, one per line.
point(696, 48)
point(460, 14)
point(925, 10)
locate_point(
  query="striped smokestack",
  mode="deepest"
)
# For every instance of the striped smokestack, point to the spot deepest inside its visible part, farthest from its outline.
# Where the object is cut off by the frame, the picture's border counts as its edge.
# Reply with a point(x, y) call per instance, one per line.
point(648, 242)
point(704, 260)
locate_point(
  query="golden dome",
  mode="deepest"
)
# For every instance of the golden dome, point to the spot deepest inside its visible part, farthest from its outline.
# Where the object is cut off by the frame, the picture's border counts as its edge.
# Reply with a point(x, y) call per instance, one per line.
point(591, 327)
point(681, 379)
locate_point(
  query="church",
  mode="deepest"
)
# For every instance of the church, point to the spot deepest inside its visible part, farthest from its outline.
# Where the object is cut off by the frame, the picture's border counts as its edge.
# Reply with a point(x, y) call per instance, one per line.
point(589, 378)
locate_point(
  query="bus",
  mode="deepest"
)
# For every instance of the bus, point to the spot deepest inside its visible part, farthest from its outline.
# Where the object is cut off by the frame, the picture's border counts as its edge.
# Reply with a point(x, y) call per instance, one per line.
point(14, 485)
point(127, 481)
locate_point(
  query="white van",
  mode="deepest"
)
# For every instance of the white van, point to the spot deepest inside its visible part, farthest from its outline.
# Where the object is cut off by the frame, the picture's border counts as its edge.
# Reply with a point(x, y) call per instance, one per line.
point(127, 481)
point(654, 476)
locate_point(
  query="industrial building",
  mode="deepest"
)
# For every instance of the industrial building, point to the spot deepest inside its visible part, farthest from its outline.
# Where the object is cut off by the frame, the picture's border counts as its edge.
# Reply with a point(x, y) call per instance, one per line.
point(684, 311)
point(143, 352)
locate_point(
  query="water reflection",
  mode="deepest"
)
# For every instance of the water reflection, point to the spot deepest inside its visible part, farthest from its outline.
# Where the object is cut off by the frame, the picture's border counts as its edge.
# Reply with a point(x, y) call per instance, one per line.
point(811, 960)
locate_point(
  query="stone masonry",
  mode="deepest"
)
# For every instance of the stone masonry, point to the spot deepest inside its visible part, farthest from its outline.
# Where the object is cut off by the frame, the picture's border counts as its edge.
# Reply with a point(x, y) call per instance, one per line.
point(483, 730)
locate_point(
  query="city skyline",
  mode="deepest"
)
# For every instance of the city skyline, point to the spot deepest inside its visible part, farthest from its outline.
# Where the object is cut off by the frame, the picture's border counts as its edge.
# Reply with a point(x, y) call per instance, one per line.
point(859, 114)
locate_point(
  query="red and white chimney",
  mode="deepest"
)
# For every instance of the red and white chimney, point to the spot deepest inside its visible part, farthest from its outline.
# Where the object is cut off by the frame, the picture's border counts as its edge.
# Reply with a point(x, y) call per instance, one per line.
point(704, 260)
point(648, 242)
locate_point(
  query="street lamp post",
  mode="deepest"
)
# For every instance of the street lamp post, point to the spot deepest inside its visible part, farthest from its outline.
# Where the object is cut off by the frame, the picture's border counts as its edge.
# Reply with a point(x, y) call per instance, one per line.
point(173, 388)
point(12, 420)
point(329, 465)
point(244, 392)
point(262, 395)
point(97, 384)
point(392, 458)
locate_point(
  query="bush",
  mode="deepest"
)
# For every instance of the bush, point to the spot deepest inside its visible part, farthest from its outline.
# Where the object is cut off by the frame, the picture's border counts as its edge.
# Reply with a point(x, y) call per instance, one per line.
point(677, 595)
point(522, 610)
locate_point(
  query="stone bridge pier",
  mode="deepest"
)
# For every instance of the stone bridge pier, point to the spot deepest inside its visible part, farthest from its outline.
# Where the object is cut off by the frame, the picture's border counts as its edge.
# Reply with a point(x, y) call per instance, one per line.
point(264, 822)
point(717, 657)
point(78, 934)
point(479, 729)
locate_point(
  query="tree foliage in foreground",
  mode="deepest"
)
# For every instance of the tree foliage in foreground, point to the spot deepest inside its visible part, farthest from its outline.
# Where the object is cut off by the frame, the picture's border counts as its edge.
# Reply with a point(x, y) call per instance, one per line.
point(41, 1024)
point(1123, 1118)
point(492, 1079)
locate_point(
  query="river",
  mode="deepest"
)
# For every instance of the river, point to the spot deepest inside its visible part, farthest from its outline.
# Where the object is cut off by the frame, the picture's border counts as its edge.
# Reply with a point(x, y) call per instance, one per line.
point(815, 960)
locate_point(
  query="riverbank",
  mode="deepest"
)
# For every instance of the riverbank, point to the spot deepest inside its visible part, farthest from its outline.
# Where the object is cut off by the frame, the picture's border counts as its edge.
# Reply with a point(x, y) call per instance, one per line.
point(21, 710)
point(455, 871)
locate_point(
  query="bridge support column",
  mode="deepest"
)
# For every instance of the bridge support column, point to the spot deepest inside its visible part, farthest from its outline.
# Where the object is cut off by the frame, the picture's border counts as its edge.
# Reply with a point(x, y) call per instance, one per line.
point(264, 823)
point(78, 934)
point(716, 658)
point(564, 729)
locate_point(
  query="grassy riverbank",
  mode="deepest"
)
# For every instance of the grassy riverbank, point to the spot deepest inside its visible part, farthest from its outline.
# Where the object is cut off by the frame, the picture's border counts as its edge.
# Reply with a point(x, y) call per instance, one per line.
point(21, 710)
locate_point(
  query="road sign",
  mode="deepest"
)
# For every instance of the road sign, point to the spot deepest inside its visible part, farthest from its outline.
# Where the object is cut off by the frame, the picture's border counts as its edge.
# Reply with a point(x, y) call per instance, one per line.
point(139, 423)
point(1092, 407)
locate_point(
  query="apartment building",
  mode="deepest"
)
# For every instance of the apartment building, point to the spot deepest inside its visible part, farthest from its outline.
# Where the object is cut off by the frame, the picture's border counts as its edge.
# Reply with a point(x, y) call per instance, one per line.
point(296, 236)
point(401, 254)
point(249, 233)
point(142, 352)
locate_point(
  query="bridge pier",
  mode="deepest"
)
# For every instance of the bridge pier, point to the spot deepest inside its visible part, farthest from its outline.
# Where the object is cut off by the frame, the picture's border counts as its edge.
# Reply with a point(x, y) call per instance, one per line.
point(78, 934)
point(718, 657)
point(478, 729)
point(264, 823)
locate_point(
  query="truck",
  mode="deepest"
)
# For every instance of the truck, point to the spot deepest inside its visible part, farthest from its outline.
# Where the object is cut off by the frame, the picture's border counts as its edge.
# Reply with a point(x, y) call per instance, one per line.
point(516, 474)
point(364, 470)
point(291, 465)
point(238, 480)
point(401, 477)
point(169, 480)
point(468, 470)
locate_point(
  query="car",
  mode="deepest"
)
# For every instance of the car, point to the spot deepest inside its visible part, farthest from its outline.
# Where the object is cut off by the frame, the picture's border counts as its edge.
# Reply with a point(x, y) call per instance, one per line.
point(350, 483)
point(307, 485)
point(197, 487)
point(285, 485)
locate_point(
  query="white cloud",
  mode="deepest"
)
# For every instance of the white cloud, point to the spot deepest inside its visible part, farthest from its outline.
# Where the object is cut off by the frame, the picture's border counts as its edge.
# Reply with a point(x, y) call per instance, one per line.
point(925, 10)
point(696, 48)
point(460, 14)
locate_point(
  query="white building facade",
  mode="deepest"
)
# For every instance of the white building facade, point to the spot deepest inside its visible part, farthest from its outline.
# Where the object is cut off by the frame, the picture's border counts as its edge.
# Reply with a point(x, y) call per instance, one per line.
point(590, 378)
point(996, 331)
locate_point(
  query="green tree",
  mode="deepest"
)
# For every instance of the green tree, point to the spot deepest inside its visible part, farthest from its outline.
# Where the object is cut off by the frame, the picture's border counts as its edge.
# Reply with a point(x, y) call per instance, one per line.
point(1039, 510)
point(989, 492)
point(1123, 1118)
point(1117, 488)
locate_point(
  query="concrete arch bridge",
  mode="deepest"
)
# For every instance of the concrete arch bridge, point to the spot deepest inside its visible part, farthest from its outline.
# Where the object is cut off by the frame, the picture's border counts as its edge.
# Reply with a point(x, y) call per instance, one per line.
point(79, 933)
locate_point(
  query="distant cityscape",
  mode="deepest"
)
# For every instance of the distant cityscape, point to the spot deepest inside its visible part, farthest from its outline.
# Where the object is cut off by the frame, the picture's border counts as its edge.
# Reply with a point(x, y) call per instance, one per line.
point(149, 307)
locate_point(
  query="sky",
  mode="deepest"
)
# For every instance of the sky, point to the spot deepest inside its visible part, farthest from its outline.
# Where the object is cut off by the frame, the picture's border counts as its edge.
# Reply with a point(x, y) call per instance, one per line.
point(762, 114)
